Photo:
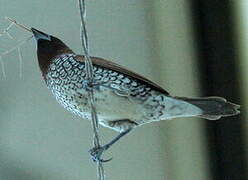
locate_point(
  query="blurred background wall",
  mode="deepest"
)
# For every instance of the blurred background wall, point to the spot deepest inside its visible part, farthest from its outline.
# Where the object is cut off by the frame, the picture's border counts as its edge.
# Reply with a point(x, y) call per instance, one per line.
point(192, 48)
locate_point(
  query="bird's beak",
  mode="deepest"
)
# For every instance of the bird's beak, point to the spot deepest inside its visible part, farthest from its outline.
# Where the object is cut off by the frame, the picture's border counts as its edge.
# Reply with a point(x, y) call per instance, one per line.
point(40, 35)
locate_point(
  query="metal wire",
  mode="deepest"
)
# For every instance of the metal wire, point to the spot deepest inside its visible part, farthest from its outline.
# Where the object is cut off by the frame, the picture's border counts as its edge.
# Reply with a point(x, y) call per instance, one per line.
point(90, 79)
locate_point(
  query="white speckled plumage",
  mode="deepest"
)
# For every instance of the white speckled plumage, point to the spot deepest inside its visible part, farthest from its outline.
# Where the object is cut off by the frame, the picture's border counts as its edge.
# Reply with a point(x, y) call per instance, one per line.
point(124, 99)
point(120, 97)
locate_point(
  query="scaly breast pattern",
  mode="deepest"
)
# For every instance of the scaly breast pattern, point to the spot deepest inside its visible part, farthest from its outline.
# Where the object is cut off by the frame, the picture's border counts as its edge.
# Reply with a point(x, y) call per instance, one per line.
point(118, 97)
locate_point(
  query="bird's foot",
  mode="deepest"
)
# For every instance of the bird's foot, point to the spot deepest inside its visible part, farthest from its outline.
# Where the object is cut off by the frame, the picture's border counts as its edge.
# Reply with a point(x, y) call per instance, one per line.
point(97, 152)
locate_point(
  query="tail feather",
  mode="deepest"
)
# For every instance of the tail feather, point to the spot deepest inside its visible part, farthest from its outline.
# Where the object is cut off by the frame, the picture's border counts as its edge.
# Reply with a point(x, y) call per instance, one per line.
point(213, 108)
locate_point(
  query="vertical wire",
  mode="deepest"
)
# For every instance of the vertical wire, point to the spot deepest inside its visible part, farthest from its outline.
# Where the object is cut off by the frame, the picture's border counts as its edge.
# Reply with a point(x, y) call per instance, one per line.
point(90, 78)
point(20, 61)
point(3, 68)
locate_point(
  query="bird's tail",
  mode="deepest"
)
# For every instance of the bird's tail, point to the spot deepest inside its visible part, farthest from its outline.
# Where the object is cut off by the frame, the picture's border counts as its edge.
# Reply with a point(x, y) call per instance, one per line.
point(213, 108)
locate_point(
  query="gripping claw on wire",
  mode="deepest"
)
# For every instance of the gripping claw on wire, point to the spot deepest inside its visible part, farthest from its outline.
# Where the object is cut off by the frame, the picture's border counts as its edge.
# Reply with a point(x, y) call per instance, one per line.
point(97, 152)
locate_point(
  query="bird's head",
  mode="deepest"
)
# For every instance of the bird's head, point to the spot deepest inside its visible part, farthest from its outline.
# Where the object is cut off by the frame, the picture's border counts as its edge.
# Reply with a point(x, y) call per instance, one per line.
point(48, 48)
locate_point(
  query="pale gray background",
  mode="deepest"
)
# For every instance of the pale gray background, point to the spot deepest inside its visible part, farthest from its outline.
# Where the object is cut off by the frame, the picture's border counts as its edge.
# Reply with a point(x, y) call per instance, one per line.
point(39, 140)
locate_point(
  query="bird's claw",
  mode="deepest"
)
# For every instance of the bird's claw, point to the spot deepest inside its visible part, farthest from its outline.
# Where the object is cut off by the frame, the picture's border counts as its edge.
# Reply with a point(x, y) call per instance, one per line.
point(96, 154)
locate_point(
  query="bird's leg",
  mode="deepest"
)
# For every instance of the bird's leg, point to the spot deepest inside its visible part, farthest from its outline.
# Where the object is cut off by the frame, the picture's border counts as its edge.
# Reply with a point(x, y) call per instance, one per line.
point(97, 152)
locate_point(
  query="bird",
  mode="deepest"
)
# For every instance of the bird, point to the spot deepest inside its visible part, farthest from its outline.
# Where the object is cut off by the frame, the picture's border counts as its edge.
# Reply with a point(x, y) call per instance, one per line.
point(124, 99)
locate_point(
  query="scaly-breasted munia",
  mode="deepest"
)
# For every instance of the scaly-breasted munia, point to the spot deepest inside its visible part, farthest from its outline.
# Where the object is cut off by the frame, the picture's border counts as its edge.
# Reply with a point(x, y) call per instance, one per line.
point(124, 99)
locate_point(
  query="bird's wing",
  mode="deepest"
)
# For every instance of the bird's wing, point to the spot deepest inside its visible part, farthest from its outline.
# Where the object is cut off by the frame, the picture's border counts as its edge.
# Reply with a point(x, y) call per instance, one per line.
point(116, 67)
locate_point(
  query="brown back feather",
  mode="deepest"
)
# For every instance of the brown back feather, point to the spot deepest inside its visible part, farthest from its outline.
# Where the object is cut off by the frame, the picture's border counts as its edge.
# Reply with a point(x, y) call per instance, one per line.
point(116, 67)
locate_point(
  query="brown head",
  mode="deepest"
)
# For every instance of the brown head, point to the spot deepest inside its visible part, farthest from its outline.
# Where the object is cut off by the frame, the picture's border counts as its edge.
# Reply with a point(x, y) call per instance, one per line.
point(48, 48)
